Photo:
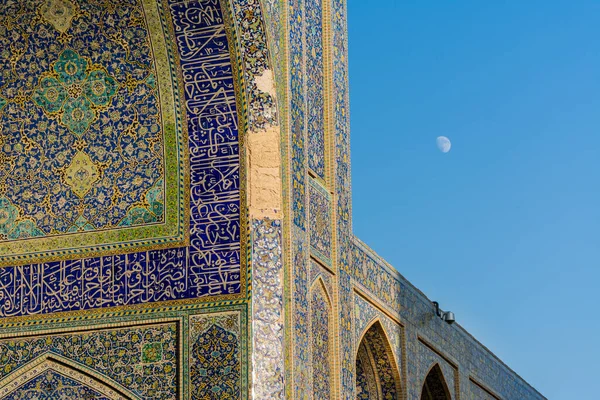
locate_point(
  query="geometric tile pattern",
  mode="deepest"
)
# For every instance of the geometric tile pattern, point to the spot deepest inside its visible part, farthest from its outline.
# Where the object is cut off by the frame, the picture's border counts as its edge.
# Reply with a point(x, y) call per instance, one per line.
point(355, 265)
point(479, 393)
point(435, 387)
point(434, 370)
point(417, 313)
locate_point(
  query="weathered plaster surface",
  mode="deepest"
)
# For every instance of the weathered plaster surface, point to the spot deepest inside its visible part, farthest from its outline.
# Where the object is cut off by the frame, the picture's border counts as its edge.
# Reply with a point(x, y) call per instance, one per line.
point(264, 173)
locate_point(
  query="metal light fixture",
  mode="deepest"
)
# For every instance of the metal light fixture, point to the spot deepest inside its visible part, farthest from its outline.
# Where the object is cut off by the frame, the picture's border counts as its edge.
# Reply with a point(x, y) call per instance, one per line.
point(447, 316)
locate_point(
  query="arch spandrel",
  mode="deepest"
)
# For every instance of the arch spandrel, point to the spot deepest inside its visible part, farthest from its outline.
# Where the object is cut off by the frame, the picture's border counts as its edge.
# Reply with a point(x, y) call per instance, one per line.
point(374, 356)
point(51, 376)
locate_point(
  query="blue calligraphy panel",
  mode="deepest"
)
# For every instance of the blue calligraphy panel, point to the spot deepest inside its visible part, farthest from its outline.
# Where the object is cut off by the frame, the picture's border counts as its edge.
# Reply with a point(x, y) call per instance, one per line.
point(210, 266)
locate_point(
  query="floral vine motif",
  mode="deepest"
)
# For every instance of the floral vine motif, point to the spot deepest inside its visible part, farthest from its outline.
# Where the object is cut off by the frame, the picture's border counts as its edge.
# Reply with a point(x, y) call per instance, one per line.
point(216, 370)
point(52, 385)
point(74, 90)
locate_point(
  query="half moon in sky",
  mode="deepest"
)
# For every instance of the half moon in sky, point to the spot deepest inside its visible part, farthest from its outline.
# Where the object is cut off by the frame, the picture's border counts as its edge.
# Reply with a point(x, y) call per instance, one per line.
point(444, 144)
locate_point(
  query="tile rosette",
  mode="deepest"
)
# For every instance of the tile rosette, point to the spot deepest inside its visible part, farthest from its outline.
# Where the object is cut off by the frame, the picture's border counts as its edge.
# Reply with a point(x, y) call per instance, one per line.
point(92, 141)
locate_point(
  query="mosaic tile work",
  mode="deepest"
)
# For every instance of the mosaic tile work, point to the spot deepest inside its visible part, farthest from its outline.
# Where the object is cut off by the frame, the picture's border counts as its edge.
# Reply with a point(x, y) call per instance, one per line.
point(320, 219)
point(318, 271)
point(417, 313)
point(342, 180)
point(428, 359)
point(300, 355)
point(297, 113)
point(365, 314)
point(479, 393)
point(86, 138)
point(247, 15)
point(315, 87)
point(210, 266)
point(354, 264)
point(387, 373)
point(366, 383)
point(114, 353)
point(369, 272)
point(53, 385)
point(301, 349)
point(215, 357)
point(321, 344)
point(274, 15)
point(267, 310)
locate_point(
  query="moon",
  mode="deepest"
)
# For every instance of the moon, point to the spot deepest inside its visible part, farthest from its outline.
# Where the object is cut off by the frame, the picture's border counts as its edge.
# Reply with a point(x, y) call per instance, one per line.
point(444, 144)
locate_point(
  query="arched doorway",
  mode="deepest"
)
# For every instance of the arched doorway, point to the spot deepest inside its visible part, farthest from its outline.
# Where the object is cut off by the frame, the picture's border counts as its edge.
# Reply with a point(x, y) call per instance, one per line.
point(377, 376)
point(51, 376)
point(435, 387)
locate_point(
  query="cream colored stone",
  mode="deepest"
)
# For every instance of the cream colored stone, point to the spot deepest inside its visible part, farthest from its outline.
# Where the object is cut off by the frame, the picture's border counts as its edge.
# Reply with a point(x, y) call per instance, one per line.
point(264, 163)
point(264, 173)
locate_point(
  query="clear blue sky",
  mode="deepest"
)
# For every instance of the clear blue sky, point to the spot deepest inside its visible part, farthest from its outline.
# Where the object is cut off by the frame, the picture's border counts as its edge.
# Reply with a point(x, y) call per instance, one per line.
point(505, 228)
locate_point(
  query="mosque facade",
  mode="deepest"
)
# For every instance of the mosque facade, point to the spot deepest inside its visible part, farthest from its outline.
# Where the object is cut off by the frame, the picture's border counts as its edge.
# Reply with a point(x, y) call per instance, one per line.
point(176, 221)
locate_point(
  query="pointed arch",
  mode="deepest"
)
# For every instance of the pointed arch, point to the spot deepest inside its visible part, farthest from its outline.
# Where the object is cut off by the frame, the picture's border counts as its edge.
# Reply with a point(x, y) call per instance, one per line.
point(377, 374)
point(321, 340)
point(319, 282)
point(52, 375)
point(435, 386)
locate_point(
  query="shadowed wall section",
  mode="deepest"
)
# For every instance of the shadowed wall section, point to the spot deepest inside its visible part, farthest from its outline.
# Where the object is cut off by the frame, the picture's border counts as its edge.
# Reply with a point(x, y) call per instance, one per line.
point(435, 387)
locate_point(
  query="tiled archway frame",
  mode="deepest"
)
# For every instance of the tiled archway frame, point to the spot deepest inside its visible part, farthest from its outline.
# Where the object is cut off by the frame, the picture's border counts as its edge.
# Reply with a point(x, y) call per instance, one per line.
point(375, 342)
point(84, 377)
point(365, 314)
